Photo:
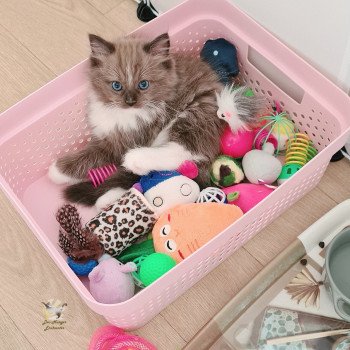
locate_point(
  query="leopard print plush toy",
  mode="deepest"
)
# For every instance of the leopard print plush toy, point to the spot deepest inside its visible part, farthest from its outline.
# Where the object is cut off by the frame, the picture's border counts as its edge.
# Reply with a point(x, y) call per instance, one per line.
point(122, 223)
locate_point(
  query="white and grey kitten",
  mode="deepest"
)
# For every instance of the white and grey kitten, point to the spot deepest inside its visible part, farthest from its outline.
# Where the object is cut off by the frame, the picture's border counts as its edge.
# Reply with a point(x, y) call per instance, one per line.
point(149, 109)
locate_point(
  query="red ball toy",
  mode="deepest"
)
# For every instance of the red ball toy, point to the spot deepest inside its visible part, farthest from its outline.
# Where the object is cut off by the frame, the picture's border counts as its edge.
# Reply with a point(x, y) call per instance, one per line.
point(237, 144)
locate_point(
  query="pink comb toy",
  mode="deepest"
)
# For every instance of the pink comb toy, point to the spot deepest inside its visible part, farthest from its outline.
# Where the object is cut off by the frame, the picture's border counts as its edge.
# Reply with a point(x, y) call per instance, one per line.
point(99, 175)
point(114, 338)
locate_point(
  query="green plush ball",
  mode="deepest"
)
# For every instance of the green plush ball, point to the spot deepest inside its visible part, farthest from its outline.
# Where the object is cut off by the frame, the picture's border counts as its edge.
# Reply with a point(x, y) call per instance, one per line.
point(226, 171)
point(155, 266)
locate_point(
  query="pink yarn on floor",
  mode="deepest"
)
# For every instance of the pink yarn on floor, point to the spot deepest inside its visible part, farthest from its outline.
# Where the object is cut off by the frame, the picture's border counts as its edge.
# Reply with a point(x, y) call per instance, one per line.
point(113, 338)
point(99, 175)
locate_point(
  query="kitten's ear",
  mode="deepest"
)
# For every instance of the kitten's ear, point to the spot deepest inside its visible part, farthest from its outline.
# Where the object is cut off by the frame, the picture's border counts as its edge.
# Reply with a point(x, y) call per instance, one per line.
point(99, 46)
point(159, 46)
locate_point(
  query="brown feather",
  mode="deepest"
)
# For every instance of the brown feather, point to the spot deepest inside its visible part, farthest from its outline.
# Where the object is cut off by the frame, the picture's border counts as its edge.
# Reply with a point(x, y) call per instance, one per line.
point(77, 243)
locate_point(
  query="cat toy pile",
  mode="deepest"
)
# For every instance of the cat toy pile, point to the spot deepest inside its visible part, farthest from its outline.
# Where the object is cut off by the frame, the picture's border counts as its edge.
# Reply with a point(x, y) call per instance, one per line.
point(151, 196)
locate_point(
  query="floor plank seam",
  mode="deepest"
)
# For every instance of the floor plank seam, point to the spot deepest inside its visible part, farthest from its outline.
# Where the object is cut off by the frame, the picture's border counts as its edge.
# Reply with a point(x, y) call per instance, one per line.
point(28, 50)
point(333, 199)
point(23, 45)
point(165, 319)
point(105, 15)
point(261, 263)
point(18, 329)
point(97, 9)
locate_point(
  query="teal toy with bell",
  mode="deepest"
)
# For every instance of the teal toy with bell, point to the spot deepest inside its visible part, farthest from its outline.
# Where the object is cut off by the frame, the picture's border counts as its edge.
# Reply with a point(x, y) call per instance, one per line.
point(151, 267)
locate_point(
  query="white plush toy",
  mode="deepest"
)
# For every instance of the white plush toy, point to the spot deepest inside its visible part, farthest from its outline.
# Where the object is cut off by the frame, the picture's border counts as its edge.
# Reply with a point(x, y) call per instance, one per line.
point(238, 107)
point(166, 189)
point(261, 167)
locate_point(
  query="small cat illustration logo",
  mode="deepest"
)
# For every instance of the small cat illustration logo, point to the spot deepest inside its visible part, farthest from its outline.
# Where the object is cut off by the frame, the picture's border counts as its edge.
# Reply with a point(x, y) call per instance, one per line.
point(53, 309)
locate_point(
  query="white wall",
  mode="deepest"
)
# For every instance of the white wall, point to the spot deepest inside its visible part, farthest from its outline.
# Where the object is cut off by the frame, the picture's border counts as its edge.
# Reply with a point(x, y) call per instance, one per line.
point(318, 30)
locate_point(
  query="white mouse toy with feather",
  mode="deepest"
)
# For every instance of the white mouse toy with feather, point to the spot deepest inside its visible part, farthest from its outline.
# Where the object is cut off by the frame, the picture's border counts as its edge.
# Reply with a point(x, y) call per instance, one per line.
point(238, 107)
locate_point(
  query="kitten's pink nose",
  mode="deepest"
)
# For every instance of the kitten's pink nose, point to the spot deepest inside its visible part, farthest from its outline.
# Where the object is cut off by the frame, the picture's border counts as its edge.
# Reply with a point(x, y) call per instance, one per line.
point(227, 114)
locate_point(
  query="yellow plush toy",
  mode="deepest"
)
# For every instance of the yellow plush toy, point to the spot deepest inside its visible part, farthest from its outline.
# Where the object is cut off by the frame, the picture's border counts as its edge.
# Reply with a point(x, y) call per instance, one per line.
point(183, 229)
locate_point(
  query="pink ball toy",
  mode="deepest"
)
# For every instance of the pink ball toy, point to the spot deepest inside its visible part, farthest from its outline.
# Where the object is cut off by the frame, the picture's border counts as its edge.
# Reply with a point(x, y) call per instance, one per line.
point(246, 196)
point(237, 144)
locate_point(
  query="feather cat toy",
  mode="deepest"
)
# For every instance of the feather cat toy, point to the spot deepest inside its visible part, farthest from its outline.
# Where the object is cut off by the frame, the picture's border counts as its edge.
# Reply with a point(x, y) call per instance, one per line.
point(238, 107)
point(78, 243)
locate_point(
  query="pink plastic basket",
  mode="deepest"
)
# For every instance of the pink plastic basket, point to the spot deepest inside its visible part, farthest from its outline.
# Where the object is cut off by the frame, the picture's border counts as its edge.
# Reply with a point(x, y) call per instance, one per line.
point(52, 121)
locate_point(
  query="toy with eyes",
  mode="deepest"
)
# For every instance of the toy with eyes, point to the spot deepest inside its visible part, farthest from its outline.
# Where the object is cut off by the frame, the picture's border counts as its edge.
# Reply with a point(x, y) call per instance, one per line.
point(221, 55)
point(166, 189)
point(238, 107)
point(182, 230)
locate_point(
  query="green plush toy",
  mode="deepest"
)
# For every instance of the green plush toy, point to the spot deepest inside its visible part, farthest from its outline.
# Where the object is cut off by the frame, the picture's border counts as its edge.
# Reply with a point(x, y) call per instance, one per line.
point(151, 267)
point(226, 171)
point(136, 250)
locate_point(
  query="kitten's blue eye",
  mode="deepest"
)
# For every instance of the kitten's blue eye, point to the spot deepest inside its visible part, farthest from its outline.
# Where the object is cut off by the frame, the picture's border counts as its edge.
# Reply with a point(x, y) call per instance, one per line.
point(143, 84)
point(116, 86)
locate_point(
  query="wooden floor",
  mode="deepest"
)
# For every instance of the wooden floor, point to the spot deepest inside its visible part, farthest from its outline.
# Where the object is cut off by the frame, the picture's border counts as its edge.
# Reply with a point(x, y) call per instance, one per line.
point(40, 39)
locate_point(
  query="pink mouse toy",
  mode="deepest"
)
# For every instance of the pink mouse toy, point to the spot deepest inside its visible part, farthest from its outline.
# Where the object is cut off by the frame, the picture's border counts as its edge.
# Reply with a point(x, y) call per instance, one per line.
point(111, 281)
point(237, 144)
point(246, 196)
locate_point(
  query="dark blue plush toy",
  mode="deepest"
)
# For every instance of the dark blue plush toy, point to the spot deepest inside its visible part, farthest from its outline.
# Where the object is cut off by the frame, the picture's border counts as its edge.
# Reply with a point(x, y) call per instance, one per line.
point(82, 269)
point(222, 57)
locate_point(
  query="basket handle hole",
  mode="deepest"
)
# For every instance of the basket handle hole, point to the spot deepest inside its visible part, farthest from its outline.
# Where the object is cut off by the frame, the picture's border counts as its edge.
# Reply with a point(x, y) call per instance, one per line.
point(275, 75)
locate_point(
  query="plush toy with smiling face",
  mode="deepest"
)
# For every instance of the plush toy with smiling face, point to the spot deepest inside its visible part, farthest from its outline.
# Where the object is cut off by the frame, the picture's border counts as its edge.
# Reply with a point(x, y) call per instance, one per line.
point(182, 230)
point(166, 189)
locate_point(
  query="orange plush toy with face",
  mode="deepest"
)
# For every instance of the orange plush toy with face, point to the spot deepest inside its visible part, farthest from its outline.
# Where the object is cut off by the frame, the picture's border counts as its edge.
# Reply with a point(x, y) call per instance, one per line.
point(182, 230)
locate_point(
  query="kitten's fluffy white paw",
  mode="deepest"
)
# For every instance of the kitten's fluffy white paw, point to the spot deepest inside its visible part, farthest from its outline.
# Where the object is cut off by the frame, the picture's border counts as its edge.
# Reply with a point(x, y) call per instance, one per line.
point(108, 198)
point(58, 177)
point(140, 161)
point(167, 157)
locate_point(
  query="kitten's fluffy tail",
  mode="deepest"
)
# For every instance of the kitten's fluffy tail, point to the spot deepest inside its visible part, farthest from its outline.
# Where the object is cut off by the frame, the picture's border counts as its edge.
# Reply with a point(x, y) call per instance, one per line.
point(82, 193)
point(86, 194)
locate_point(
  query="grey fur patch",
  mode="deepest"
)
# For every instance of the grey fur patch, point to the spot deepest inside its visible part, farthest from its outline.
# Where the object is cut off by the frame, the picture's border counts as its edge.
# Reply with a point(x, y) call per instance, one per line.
point(84, 193)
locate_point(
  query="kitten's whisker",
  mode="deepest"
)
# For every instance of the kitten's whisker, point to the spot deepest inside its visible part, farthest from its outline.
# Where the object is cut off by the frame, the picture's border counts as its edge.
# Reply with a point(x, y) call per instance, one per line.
point(174, 110)
point(145, 70)
point(146, 66)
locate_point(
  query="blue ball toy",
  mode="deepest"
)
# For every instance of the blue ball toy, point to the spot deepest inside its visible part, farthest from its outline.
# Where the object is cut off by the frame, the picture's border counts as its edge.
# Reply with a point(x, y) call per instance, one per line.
point(82, 269)
point(221, 55)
